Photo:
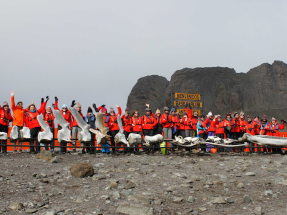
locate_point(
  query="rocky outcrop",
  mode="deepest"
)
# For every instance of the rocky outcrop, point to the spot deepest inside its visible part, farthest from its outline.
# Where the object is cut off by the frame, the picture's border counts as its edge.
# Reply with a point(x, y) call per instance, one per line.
point(262, 90)
point(149, 89)
point(81, 170)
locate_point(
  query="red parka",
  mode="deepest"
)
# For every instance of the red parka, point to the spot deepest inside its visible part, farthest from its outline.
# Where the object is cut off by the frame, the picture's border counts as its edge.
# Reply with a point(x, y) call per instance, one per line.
point(220, 127)
point(211, 124)
point(273, 129)
point(149, 122)
point(242, 124)
point(31, 117)
point(166, 120)
point(174, 119)
point(250, 127)
point(137, 124)
point(113, 125)
point(67, 115)
point(49, 116)
point(235, 125)
point(256, 126)
point(5, 115)
point(127, 123)
point(187, 123)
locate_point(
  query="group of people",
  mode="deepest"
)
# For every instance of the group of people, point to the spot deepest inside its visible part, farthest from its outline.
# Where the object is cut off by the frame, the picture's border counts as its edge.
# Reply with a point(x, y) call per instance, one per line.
point(169, 123)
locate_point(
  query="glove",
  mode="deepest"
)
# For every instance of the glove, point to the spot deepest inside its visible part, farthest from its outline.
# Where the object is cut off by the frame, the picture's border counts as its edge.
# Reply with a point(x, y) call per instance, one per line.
point(56, 98)
point(201, 126)
point(103, 106)
point(116, 121)
point(50, 122)
point(186, 105)
point(250, 129)
point(170, 121)
point(42, 100)
point(5, 120)
point(47, 98)
point(273, 131)
point(53, 105)
point(283, 121)
point(73, 103)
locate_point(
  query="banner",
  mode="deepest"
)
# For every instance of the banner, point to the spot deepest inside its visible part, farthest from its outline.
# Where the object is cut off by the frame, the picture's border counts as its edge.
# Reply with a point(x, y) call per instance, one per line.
point(188, 96)
point(180, 111)
point(184, 103)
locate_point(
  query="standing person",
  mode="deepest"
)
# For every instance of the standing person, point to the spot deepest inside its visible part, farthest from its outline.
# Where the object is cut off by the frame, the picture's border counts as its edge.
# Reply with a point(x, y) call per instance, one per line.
point(137, 127)
point(257, 122)
point(113, 125)
point(273, 130)
point(181, 126)
point(235, 124)
point(149, 123)
point(127, 126)
point(49, 119)
point(219, 131)
point(250, 129)
point(18, 119)
point(242, 124)
point(201, 131)
point(174, 119)
point(33, 124)
point(76, 129)
point(90, 119)
point(210, 124)
point(194, 119)
point(158, 127)
point(227, 129)
point(68, 117)
point(105, 147)
point(187, 125)
point(263, 130)
point(167, 125)
point(5, 119)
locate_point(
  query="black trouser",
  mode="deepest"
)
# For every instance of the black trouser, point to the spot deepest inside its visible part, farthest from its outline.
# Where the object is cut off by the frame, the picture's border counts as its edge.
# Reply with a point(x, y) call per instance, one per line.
point(149, 132)
point(63, 146)
point(175, 134)
point(203, 146)
point(237, 135)
point(34, 134)
point(113, 144)
point(92, 144)
point(181, 133)
point(220, 148)
point(158, 129)
point(135, 148)
point(3, 143)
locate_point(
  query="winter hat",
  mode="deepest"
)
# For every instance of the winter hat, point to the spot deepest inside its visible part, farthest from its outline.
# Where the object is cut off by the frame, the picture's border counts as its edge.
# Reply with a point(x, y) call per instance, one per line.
point(78, 105)
point(5, 104)
point(104, 109)
point(218, 115)
point(228, 114)
point(235, 114)
point(64, 105)
point(90, 110)
point(248, 117)
point(241, 113)
point(126, 110)
point(172, 110)
point(273, 118)
point(165, 108)
point(19, 102)
point(112, 109)
point(209, 114)
point(148, 109)
point(157, 111)
point(264, 117)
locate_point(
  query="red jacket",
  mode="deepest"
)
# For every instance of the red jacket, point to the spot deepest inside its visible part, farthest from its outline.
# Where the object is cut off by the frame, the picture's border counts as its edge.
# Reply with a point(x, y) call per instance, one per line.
point(220, 127)
point(273, 129)
point(175, 120)
point(49, 116)
point(250, 128)
point(7, 115)
point(235, 125)
point(74, 122)
point(148, 122)
point(263, 129)
point(166, 121)
point(256, 126)
point(193, 119)
point(137, 124)
point(127, 123)
point(227, 123)
point(67, 115)
point(113, 125)
point(242, 124)
point(187, 123)
point(31, 117)
point(211, 124)
point(180, 124)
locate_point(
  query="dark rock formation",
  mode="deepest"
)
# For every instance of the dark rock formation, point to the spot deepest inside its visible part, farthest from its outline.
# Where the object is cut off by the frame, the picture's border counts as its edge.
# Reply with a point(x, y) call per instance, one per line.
point(149, 89)
point(262, 90)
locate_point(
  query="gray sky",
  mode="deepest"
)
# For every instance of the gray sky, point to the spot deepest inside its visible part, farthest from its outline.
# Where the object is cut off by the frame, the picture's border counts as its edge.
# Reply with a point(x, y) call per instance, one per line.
point(94, 51)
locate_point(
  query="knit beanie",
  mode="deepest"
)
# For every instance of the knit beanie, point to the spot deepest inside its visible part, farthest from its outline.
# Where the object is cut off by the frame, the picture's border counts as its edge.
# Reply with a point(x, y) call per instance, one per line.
point(209, 114)
point(228, 113)
point(78, 105)
point(64, 105)
point(112, 109)
point(157, 111)
point(273, 118)
point(104, 110)
point(172, 110)
point(241, 113)
point(90, 110)
point(5, 104)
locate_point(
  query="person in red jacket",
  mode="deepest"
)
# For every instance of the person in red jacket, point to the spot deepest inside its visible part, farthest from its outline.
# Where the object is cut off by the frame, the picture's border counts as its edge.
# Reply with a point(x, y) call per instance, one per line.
point(67, 116)
point(127, 126)
point(181, 126)
point(242, 126)
point(263, 130)
point(227, 129)
point(219, 131)
point(33, 124)
point(113, 125)
point(137, 127)
point(174, 119)
point(211, 125)
point(75, 127)
point(256, 125)
point(187, 125)
point(158, 127)
point(250, 129)
point(49, 119)
point(5, 119)
point(235, 128)
point(194, 119)
point(167, 125)
point(273, 130)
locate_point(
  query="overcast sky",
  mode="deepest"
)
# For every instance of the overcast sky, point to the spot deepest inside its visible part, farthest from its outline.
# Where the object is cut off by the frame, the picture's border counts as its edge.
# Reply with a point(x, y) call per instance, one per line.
point(94, 51)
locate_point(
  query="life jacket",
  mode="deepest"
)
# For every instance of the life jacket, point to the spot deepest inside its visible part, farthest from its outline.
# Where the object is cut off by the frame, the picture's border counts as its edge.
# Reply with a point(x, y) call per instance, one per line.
point(165, 120)
point(150, 121)
point(271, 127)
point(93, 119)
point(31, 119)
point(6, 115)
point(137, 122)
point(263, 128)
point(49, 116)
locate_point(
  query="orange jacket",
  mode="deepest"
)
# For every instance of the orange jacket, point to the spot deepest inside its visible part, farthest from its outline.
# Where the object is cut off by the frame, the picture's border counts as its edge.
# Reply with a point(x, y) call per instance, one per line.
point(220, 127)
point(137, 124)
point(148, 122)
point(250, 127)
point(127, 123)
point(166, 121)
point(187, 123)
point(18, 114)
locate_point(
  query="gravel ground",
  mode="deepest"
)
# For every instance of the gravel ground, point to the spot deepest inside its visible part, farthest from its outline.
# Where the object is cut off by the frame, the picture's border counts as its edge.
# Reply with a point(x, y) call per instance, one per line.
point(146, 184)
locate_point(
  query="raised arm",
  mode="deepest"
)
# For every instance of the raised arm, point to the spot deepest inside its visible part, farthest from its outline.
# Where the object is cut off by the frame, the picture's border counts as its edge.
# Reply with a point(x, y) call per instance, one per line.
point(12, 101)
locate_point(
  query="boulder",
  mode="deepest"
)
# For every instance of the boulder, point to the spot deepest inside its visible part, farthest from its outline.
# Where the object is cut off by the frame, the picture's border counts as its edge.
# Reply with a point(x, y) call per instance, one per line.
point(15, 205)
point(46, 155)
point(134, 209)
point(81, 170)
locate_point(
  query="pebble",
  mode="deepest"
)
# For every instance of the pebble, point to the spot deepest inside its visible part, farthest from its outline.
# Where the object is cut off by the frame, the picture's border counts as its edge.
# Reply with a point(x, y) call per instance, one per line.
point(246, 199)
point(250, 174)
point(113, 185)
point(178, 199)
point(240, 185)
point(170, 189)
point(190, 199)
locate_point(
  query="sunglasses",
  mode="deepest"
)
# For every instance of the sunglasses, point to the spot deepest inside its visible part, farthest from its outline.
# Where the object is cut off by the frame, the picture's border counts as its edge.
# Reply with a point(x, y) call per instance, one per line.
point(111, 111)
point(64, 108)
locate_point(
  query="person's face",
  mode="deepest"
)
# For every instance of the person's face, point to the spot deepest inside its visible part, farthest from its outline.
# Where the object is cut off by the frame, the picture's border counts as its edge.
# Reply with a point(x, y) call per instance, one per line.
point(236, 116)
point(136, 114)
point(6, 107)
point(256, 118)
point(32, 107)
point(249, 120)
point(158, 114)
point(184, 115)
point(49, 109)
point(20, 105)
point(126, 113)
point(264, 121)
point(64, 109)
point(172, 113)
point(166, 111)
point(195, 114)
point(112, 113)
point(242, 116)
point(273, 121)
point(148, 112)
point(219, 118)
point(78, 109)
point(202, 118)
point(228, 117)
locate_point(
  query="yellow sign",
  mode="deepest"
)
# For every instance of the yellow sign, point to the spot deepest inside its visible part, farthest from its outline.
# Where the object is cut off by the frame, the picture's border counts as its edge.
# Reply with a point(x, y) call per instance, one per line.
point(184, 103)
point(188, 96)
point(180, 111)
